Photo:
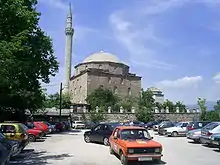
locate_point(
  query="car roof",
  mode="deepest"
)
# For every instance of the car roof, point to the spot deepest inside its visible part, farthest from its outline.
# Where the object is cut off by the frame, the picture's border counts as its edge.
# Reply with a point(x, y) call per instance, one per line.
point(129, 127)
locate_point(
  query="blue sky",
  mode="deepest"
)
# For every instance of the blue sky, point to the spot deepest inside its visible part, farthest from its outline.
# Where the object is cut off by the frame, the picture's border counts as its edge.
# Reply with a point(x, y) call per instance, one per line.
point(173, 44)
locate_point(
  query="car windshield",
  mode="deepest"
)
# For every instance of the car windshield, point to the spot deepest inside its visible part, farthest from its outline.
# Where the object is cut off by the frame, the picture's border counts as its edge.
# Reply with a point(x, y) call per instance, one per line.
point(178, 124)
point(211, 126)
point(135, 134)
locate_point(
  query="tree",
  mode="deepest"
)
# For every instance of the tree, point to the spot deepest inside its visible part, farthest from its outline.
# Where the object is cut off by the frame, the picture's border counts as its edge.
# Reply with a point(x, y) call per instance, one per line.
point(202, 105)
point(181, 106)
point(212, 116)
point(170, 105)
point(159, 105)
point(217, 106)
point(53, 100)
point(26, 55)
point(145, 106)
point(127, 103)
point(103, 98)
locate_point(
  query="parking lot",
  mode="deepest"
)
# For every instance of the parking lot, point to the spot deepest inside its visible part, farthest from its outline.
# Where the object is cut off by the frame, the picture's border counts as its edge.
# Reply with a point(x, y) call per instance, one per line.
point(70, 149)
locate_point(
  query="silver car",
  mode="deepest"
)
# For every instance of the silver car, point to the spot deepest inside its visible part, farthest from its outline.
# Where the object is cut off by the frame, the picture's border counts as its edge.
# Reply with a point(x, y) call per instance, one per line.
point(194, 135)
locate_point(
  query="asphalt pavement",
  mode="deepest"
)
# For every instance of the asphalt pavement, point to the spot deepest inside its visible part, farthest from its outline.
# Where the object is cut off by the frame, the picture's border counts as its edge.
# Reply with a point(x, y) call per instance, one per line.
point(70, 149)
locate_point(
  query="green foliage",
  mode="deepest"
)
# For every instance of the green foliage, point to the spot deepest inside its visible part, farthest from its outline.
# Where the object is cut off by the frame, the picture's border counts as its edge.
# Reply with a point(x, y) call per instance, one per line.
point(127, 103)
point(212, 116)
point(170, 105)
point(97, 117)
point(84, 117)
point(26, 55)
point(159, 106)
point(202, 105)
point(145, 106)
point(181, 106)
point(103, 98)
point(53, 100)
point(217, 106)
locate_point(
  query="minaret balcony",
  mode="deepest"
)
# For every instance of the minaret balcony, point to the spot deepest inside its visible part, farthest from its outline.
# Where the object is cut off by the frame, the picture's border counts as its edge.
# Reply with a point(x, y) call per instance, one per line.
point(69, 31)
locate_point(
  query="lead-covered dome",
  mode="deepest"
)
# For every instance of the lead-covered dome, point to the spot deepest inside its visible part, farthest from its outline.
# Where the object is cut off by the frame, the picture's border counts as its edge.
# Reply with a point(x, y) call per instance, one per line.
point(102, 57)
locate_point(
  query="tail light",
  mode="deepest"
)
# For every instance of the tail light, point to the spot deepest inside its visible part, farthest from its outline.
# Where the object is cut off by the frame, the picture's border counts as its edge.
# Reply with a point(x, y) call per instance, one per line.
point(209, 133)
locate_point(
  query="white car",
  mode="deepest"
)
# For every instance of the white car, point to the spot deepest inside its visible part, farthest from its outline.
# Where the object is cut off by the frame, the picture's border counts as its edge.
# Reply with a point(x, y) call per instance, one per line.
point(179, 129)
point(78, 124)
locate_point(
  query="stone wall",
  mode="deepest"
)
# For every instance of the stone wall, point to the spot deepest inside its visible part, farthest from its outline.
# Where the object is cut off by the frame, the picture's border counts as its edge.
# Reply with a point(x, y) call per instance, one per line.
point(131, 116)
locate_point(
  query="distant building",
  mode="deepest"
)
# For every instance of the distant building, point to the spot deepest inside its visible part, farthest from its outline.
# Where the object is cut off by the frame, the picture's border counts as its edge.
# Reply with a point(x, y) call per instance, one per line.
point(158, 95)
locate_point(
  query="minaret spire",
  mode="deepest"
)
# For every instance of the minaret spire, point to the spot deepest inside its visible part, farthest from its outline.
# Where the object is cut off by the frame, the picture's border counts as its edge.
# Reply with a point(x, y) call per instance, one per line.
point(69, 31)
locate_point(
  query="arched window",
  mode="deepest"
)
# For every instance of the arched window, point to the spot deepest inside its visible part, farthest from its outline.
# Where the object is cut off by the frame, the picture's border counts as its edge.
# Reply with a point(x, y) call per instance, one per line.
point(101, 86)
point(109, 79)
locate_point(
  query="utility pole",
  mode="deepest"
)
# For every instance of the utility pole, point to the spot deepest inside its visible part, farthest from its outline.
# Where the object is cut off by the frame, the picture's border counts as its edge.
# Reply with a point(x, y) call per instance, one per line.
point(61, 89)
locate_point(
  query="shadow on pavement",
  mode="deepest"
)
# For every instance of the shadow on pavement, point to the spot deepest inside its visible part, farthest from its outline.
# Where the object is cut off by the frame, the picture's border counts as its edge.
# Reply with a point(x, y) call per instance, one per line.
point(209, 146)
point(40, 140)
point(31, 157)
point(217, 150)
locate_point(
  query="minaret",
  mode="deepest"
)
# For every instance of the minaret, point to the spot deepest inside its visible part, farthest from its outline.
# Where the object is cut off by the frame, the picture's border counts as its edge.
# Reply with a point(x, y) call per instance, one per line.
point(69, 31)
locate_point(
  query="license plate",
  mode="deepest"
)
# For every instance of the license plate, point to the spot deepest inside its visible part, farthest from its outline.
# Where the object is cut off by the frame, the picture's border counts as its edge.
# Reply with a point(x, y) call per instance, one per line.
point(144, 159)
point(215, 142)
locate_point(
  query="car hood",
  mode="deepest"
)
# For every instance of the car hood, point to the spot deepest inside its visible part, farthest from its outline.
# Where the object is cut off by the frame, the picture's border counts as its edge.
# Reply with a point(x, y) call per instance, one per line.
point(141, 143)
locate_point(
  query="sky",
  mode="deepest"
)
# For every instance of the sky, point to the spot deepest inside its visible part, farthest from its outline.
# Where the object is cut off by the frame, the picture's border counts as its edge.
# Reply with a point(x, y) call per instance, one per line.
point(173, 44)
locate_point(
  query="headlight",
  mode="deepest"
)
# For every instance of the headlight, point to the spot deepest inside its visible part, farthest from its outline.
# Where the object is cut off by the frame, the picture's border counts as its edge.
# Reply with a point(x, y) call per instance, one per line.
point(158, 150)
point(130, 151)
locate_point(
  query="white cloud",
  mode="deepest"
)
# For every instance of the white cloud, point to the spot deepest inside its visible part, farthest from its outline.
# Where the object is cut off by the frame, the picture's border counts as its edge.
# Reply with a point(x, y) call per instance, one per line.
point(180, 83)
point(135, 40)
point(59, 4)
point(216, 78)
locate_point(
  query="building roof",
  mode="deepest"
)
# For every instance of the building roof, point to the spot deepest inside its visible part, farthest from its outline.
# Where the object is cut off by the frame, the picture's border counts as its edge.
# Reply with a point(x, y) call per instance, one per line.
point(102, 57)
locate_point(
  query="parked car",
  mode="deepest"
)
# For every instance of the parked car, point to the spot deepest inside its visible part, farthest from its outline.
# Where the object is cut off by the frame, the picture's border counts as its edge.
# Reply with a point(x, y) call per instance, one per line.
point(150, 124)
point(59, 126)
point(78, 125)
point(178, 130)
point(163, 126)
point(15, 131)
point(155, 127)
point(196, 125)
point(5, 152)
point(33, 134)
point(11, 145)
point(194, 135)
point(50, 126)
point(44, 126)
point(136, 123)
point(67, 125)
point(134, 144)
point(100, 133)
point(36, 126)
point(208, 131)
point(215, 140)
point(89, 125)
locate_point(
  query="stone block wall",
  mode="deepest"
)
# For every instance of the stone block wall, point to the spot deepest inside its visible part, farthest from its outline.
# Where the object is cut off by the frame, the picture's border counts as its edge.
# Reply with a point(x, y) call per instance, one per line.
point(131, 116)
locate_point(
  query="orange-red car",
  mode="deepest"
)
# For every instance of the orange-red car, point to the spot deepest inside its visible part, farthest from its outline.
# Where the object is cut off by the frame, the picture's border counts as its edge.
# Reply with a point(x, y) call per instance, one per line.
point(134, 144)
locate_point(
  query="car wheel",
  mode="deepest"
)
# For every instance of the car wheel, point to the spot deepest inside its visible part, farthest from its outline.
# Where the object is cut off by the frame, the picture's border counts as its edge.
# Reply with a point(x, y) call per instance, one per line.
point(123, 159)
point(87, 139)
point(111, 151)
point(31, 138)
point(106, 141)
point(174, 134)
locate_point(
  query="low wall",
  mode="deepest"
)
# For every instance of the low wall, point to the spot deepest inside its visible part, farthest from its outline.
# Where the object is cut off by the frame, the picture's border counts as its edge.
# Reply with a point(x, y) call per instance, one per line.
point(131, 116)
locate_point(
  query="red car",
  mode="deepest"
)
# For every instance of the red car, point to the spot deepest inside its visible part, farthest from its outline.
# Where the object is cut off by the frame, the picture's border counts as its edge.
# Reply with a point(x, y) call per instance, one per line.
point(36, 126)
point(45, 126)
point(34, 134)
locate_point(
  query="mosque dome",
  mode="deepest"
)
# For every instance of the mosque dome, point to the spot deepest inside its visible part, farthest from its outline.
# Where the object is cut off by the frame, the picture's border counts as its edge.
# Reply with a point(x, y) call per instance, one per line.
point(102, 57)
